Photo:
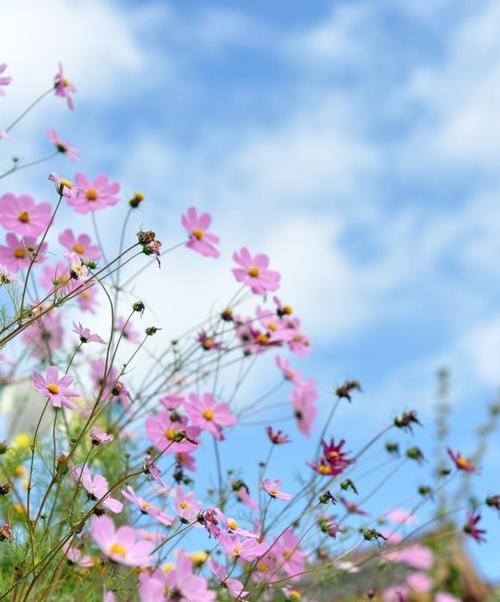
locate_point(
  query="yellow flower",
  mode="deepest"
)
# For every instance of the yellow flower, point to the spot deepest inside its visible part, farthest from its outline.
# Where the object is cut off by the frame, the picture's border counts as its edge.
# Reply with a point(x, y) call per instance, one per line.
point(22, 441)
point(198, 558)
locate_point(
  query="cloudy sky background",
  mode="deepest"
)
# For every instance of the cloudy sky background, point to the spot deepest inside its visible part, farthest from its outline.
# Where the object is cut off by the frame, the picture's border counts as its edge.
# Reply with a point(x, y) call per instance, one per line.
point(355, 142)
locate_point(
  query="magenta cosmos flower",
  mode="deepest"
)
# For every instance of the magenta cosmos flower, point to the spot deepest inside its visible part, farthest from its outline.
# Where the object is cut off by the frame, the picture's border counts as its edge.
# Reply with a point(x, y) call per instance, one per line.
point(121, 545)
point(62, 146)
point(57, 389)
point(4, 79)
point(208, 414)
point(93, 194)
point(22, 215)
point(97, 487)
point(178, 584)
point(81, 245)
point(200, 240)
point(471, 527)
point(273, 489)
point(19, 252)
point(85, 335)
point(254, 273)
point(461, 463)
point(63, 87)
point(171, 436)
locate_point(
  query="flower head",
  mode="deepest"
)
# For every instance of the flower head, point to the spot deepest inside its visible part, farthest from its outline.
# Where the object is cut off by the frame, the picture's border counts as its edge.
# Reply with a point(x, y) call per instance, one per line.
point(19, 252)
point(254, 272)
point(63, 87)
point(93, 194)
point(273, 489)
point(208, 414)
point(57, 389)
point(81, 245)
point(99, 437)
point(471, 527)
point(97, 488)
point(85, 335)
point(461, 463)
point(20, 214)
point(147, 508)
point(200, 240)
point(121, 545)
point(171, 436)
point(62, 146)
point(278, 437)
point(4, 79)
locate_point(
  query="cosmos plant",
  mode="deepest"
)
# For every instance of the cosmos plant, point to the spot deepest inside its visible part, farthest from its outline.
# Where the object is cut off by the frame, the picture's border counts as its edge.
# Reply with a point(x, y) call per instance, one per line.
point(121, 486)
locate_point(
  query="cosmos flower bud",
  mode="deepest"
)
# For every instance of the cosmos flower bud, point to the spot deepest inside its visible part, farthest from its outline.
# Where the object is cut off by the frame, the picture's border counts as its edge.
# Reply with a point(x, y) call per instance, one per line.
point(405, 420)
point(493, 501)
point(5, 488)
point(348, 484)
point(139, 307)
point(415, 453)
point(4, 448)
point(345, 390)
point(425, 491)
point(326, 497)
point(136, 200)
point(392, 448)
point(227, 315)
point(151, 330)
point(372, 535)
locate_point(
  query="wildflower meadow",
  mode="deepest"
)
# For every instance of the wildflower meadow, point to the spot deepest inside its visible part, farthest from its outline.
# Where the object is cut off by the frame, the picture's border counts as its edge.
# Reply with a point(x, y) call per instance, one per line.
point(116, 483)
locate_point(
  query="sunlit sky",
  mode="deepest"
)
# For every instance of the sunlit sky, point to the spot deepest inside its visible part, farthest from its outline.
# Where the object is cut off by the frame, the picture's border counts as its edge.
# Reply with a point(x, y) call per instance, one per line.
point(356, 142)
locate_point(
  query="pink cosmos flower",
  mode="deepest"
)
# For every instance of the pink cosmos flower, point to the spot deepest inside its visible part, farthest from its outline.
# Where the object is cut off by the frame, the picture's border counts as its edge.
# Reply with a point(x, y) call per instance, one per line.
point(93, 194)
point(462, 463)
point(97, 488)
point(22, 215)
point(396, 593)
point(181, 580)
point(401, 516)
point(234, 586)
point(208, 414)
point(85, 335)
point(146, 508)
point(152, 470)
point(445, 597)
point(471, 527)
point(248, 549)
point(99, 437)
point(121, 545)
point(3, 135)
point(63, 87)
point(63, 187)
point(170, 402)
point(187, 461)
point(56, 389)
point(126, 329)
point(287, 550)
point(287, 371)
point(57, 277)
point(45, 335)
point(78, 271)
point(6, 277)
point(273, 489)
point(303, 397)
point(81, 245)
point(253, 272)
point(200, 240)
point(244, 497)
point(171, 436)
point(419, 582)
point(5, 79)
point(108, 596)
point(76, 556)
point(113, 388)
point(415, 555)
point(87, 299)
point(18, 253)
point(334, 460)
point(186, 506)
point(351, 507)
point(62, 146)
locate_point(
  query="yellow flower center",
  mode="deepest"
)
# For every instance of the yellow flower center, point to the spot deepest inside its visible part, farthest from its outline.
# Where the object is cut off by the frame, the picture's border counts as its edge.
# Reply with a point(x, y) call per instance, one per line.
point(262, 566)
point(333, 454)
point(463, 462)
point(78, 248)
point(184, 505)
point(324, 469)
point(287, 309)
point(232, 524)
point(91, 194)
point(208, 414)
point(262, 339)
point(85, 295)
point(118, 549)
point(170, 434)
point(294, 594)
point(198, 234)
point(236, 549)
point(54, 389)
point(20, 253)
point(65, 82)
point(273, 491)
point(167, 567)
point(24, 217)
point(272, 326)
point(254, 272)
point(287, 554)
point(145, 505)
point(66, 183)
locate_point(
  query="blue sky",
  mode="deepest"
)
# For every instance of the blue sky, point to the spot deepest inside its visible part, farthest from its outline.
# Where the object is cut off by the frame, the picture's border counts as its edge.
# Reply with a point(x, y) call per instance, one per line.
point(358, 142)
